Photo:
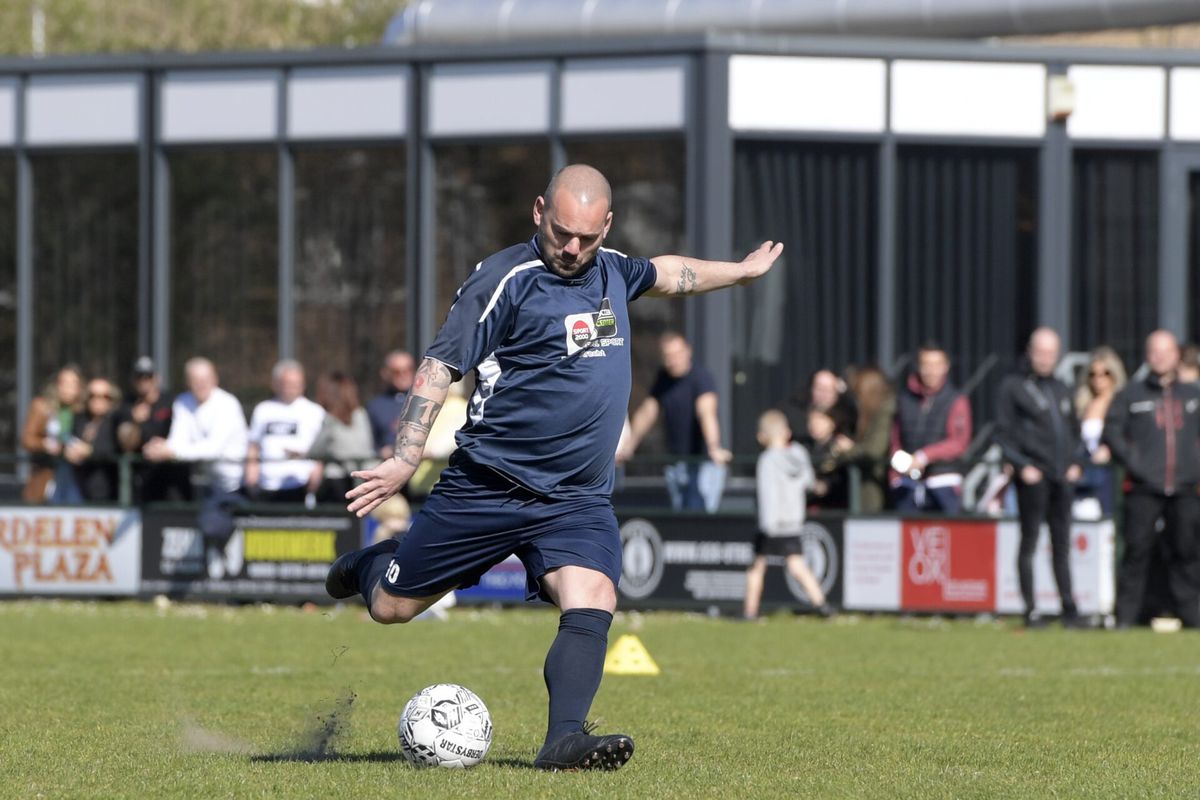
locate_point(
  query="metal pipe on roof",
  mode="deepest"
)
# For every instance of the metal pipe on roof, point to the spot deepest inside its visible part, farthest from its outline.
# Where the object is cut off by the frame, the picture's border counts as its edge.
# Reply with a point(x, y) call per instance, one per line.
point(496, 20)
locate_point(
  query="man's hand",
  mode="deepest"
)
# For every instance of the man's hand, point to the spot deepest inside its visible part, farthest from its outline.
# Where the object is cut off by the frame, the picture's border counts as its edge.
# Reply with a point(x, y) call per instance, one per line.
point(719, 455)
point(77, 451)
point(842, 444)
point(421, 408)
point(1102, 455)
point(141, 412)
point(1074, 473)
point(1030, 475)
point(759, 261)
point(157, 450)
point(378, 485)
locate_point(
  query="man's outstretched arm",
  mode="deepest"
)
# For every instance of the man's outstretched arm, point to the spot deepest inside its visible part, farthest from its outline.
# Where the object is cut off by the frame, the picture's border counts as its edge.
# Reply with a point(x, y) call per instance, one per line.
point(429, 390)
point(679, 275)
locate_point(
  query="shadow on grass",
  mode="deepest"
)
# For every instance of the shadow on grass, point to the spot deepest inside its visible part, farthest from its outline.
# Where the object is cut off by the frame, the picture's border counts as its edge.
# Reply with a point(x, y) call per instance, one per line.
point(382, 757)
point(379, 757)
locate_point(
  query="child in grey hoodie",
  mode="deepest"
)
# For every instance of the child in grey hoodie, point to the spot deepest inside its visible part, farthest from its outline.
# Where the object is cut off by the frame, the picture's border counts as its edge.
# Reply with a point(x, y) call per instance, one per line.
point(783, 476)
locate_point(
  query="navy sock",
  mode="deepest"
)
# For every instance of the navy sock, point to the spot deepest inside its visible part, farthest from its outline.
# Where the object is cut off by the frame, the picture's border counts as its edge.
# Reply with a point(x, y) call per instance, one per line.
point(574, 667)
point(372, 565)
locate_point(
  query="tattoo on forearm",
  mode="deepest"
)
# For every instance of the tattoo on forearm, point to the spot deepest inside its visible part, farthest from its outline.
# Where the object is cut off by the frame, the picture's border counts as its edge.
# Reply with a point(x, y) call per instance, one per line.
point(687, 279)
point(434, 374)
point(410, 443)
point(420, 412)
point(413, 429)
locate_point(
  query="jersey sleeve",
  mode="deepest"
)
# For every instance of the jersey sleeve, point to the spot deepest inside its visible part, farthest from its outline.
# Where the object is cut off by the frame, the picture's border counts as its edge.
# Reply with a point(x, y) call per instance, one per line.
point(639, 273)
point(479, 320)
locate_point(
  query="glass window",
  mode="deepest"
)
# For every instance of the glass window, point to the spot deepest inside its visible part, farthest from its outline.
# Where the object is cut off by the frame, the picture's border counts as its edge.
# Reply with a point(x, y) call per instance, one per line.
point(485, 195)
point(1115, 251)
point(817, 308)
point(9, 413)
point(649, 218)
point(966, 260)
point(351, 299)
point(224, 266)
point(85, 262)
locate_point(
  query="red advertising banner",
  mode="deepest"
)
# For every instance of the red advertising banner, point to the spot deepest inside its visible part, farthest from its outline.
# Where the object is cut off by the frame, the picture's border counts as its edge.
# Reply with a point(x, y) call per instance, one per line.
point(948, 565)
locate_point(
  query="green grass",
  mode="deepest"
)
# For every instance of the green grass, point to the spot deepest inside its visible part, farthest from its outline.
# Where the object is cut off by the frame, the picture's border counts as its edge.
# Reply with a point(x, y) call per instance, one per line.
point(127, 700)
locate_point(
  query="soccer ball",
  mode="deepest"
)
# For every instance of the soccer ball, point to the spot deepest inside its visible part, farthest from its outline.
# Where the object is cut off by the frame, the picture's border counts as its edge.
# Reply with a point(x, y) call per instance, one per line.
point(445, 725)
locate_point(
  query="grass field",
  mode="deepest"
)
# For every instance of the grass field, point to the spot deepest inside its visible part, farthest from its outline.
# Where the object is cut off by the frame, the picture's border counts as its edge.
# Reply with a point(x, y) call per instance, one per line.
point(130, 700)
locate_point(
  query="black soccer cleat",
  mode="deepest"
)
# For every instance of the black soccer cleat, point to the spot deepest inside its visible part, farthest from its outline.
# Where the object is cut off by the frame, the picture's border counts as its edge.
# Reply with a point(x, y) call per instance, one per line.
point(342, 580)
point(579, 751)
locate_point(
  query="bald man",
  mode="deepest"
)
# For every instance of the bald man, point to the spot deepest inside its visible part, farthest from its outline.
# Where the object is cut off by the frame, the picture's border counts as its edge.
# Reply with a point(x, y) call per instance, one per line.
point(1037, 430)
point(545, 327)
point(1153, 431)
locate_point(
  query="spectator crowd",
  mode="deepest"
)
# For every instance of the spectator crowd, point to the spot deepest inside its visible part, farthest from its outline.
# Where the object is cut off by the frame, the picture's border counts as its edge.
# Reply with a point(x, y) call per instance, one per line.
point(889, 444)
point(292, 449)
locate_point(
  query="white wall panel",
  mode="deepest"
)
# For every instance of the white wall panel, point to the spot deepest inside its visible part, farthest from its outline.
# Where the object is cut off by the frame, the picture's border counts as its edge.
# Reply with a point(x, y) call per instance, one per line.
point(347, 103)
point(82, 109)
point(483, 99)
point(1118, 102)
point(220, 106)
point(620, 94)
point(960, 98)
point(1185, 103)
point(787, 93)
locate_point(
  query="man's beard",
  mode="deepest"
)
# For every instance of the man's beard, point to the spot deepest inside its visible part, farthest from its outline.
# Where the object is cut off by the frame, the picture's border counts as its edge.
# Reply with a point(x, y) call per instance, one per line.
point(569, 270)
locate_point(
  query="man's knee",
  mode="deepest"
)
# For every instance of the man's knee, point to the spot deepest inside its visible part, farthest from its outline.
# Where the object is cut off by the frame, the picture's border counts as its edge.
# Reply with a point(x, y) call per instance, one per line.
point(387, 609)
point(580, 587)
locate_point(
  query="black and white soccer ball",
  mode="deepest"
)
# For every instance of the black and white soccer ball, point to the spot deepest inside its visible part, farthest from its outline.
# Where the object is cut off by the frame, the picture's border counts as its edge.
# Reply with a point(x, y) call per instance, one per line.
point(445, 725)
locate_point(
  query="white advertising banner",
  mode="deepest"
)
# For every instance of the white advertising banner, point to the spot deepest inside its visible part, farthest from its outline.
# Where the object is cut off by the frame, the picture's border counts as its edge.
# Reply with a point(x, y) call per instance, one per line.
point(871, 581)
point(1093, 547)
point(79, 550)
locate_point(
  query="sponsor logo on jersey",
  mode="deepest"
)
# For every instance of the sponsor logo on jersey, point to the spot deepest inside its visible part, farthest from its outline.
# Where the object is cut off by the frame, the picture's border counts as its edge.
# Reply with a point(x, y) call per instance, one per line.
point(593, 331)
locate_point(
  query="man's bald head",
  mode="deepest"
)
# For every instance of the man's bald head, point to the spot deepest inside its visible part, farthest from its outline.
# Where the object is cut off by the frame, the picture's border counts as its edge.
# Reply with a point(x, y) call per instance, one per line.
point(1162, 353)
point(573, 217)
point(1044, 350)
point(585, 184)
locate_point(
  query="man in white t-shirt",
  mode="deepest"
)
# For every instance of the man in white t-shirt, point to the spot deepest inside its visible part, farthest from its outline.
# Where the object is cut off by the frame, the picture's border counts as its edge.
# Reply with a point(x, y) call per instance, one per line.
point(287, 423)
point(207, 424)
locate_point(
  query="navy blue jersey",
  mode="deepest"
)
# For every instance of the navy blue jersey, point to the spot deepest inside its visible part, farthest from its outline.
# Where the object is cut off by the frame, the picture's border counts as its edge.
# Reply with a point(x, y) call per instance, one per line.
point(551, 361)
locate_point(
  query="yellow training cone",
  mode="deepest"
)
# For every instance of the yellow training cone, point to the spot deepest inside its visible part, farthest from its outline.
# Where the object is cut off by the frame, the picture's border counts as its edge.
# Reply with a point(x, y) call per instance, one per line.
point(629, 657)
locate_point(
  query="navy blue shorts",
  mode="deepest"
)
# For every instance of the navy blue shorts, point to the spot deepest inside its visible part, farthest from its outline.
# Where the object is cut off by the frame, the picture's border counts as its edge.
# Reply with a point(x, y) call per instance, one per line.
point(474, 519)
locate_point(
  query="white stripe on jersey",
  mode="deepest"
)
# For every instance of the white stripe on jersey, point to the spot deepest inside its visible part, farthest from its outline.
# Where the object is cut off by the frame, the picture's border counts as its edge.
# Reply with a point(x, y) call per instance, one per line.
point(458, 294)
point(489, 373)
point(614, 252)
point(500, 287)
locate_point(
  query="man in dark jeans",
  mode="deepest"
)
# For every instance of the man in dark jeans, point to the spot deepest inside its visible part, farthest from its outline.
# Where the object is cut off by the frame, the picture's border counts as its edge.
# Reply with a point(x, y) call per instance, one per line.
point(1153, 430)
point(1037, 430)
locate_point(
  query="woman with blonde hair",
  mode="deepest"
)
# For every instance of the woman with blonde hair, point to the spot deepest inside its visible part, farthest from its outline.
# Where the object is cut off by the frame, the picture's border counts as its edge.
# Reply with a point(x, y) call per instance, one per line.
point(47, 431)
point(1105, 376)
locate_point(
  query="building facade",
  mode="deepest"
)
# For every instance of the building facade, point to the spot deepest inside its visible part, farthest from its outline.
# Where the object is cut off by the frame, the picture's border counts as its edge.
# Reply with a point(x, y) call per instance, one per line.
point(326, 205)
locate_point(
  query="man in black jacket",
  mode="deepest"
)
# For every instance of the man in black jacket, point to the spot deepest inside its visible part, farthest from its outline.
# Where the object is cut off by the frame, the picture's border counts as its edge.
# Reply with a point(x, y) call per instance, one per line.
point(1039, 434)
point(1153, 429)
